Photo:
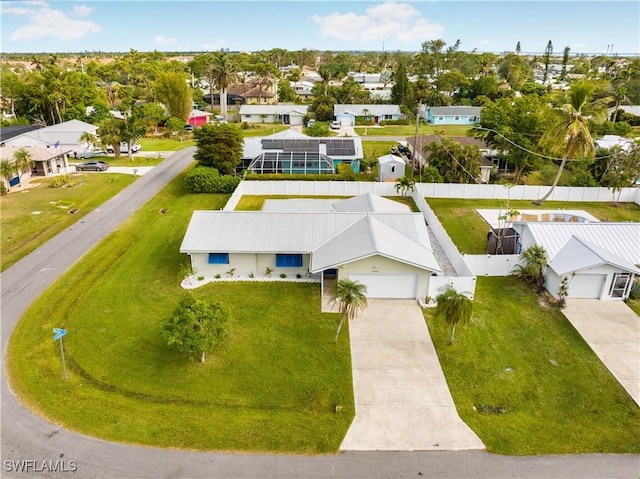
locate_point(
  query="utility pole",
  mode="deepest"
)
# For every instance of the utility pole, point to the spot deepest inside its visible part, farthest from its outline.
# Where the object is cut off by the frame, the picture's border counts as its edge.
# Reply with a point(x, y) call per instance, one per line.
point(415, 143)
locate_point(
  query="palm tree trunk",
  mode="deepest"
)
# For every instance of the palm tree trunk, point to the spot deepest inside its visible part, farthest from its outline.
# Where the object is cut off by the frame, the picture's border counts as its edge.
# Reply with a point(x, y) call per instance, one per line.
point(555, 182)
point(453, 332)
point(339, 327)
point(202, 357)
point(223, 102)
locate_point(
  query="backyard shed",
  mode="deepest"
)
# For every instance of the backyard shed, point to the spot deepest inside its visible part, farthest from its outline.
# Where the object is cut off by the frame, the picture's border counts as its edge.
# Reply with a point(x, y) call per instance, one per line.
point(390, 167)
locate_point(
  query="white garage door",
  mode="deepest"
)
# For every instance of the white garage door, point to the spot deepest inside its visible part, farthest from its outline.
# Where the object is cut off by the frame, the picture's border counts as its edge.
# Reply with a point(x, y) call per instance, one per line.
point(586, 286)
point(388, 285)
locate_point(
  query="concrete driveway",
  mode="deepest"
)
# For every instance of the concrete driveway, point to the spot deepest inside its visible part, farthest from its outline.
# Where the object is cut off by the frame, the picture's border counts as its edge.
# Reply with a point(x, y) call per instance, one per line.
point(612, 330)
point(401, 395)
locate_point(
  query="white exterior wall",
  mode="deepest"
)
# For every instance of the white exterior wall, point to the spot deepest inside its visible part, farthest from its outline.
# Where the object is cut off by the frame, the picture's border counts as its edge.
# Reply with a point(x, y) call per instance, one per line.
point(259, 119)
point(245, 264)
point(552, 282)
point(380, 264)
point(385, 173)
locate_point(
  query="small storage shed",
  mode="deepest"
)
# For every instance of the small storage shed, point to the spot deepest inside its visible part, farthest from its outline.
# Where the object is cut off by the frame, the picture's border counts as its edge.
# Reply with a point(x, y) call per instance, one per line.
point(390, 167)
point(502, 241)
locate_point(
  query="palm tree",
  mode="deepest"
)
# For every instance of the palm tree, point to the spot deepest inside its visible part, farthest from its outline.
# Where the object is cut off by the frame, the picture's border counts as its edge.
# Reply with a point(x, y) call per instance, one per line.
point(571, 125)
point(535, 258)
point(89, 138)
point(23, 161)
point(7, 170)
point(350, 296)
point(405, 184)
point(225, 74)
point(456, 308)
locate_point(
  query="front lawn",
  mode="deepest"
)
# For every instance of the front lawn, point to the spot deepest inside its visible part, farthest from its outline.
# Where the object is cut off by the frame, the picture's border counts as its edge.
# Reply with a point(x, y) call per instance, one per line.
point(526, 382)
point(410, 130)
point(32, 216)
point(165, 144)
point(468, 230)
point(272, 386)
point(137, 160)
point(263, 129)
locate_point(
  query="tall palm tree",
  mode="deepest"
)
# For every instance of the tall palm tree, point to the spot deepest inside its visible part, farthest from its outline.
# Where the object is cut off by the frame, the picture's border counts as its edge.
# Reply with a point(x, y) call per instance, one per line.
point(89, 138)
point(23, 161)
point(225, 74)
point(571, 127)
point(7, 170)
point(350, 296)
point(404, 184)
point(456, 308)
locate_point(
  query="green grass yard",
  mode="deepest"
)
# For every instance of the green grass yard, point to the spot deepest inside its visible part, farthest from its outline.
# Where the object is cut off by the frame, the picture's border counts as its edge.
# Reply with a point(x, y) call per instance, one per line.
point(468, 230)
point(410, 130)
point(272, 386)
point(165, 144)
point(526, 382)
point(32, 216)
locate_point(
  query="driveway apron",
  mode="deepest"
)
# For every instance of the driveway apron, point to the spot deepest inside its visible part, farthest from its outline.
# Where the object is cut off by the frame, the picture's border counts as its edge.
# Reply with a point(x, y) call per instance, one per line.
point(401, 395)
point(612, 330)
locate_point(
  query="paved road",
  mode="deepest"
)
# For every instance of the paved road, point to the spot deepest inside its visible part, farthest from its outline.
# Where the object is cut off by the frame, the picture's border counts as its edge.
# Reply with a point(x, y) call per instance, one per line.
point(27, 437)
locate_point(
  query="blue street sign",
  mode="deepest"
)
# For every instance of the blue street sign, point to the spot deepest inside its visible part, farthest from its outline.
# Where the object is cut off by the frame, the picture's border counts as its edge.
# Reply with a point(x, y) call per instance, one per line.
point(58, 333)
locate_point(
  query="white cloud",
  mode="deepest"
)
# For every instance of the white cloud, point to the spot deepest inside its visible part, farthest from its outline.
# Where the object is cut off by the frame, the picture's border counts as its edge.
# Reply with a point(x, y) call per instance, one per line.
point(45, 21)
point(389, 21)
point(82, 10)
point(215, 45)
point(162, 40)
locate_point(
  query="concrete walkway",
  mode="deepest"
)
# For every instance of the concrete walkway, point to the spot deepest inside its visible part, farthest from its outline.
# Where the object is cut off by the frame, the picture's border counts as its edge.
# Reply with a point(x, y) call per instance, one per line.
point(401, 395)
point(612, 330)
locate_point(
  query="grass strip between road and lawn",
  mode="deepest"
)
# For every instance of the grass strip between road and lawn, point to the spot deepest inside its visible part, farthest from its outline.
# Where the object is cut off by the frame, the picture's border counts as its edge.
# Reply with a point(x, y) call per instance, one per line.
point(273, 385)
point(527, 383)
point(32, 216)
point(469, 231)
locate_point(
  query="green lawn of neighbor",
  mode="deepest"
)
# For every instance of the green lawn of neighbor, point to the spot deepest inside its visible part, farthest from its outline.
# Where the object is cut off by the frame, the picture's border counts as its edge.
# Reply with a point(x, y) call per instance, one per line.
point(273, 386)
point(468, 230)
point(255, 202)
point(526, 382)
point(165, 144)
point(263, 129)
point(137, 160)
point(32, 216)
point(410, 130)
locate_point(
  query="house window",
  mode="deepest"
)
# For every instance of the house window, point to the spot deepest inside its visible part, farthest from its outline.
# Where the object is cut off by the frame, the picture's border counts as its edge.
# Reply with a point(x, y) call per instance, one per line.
point(288, 260)
point(393, 168)
point(218, 258)
point(619, 285)
point(456, 118)
point(441, 118)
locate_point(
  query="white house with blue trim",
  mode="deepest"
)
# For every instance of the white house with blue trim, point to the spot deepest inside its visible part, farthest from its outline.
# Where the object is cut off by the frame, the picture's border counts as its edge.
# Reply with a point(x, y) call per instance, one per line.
point(451, 115)
point(347, 114)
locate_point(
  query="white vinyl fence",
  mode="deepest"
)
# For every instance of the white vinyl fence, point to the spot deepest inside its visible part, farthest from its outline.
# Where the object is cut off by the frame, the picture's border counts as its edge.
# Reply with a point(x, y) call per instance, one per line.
point(492, 265)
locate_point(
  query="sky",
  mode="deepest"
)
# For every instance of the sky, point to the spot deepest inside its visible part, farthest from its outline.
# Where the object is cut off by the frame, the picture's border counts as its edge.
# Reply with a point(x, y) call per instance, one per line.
point(585, 26)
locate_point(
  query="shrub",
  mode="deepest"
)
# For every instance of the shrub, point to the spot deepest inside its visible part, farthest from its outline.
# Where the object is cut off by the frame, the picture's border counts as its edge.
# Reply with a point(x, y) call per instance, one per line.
point(405, 121)
point(283, 275)
point(3, 189)
point(58, 181)
point(635, 291)
point(346, 171)
point(203, 179)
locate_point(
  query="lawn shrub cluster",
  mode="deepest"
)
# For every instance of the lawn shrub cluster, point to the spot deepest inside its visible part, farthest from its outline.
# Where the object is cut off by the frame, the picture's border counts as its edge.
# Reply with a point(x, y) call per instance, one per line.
point(203, 179)
point(284, 176)
point(346, 171)
point(395, 122)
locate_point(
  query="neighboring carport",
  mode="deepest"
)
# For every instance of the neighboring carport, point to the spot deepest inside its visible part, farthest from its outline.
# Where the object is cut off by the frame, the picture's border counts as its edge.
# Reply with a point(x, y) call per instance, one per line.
point(612, 330)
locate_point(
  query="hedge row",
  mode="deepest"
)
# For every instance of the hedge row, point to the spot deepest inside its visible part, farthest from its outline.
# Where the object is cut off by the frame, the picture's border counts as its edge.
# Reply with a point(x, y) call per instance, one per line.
point(395, 122)
point(282, 176)
point(203, 179)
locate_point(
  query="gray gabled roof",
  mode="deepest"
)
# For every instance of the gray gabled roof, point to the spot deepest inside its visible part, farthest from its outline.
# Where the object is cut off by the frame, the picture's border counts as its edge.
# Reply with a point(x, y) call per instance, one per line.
point(578, 254)
point(368, 237)
point(373, 110)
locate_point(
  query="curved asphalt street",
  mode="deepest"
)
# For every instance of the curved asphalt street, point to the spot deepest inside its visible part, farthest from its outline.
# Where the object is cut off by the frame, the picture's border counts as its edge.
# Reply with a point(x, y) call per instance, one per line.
point(27, 437)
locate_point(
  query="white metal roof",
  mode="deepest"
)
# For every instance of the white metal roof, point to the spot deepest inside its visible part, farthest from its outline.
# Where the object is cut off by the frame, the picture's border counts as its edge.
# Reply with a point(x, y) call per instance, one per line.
point(75, 126)
point(620, 239)
point(367, 237)
point(279, 109)
point(298, 205)
point(263, 232)
point(373, 110)
point(368, 202)
point(578, 254)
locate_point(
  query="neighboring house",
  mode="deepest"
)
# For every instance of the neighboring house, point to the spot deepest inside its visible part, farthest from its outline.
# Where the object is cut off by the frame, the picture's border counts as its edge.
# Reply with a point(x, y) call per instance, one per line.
point(490, 158)
point(389, 252)
point(390, 167)
point(247, 93)
point(347, 114)
point(66, 135)
point(9, 132)
point(600, 260)
point(630, 109)
point(199, 117)
point(294, 153)
point(372, 82)
point(284, 113)
point(48, 161)
point(610, 141)
point(303, 88)
point(451, 115)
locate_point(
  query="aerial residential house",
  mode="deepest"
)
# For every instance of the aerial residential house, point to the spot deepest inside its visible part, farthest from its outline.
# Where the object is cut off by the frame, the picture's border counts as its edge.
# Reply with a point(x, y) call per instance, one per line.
point(598, 259)
point(250, 92)
point(388, 251)
point(303, 88)
point(377, 84)
point(294, 153)
point(349, 114)
point(66, 135)
point(283, 113)
point(611, 141)
point(199, 117)
point(451, 115)
point(47, 161)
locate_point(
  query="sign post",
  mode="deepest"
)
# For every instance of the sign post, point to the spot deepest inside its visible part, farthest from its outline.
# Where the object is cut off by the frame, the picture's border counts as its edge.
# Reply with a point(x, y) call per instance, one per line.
point(58, 333)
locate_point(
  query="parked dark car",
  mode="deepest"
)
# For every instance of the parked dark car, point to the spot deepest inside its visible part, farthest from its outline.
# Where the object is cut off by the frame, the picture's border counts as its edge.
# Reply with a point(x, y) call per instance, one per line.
point(93, 166)
point(188, 127)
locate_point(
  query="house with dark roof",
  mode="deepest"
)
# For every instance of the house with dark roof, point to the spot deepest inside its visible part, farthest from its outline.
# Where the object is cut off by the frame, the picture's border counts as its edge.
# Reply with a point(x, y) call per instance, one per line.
point(451, 115)
point(250, 92)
